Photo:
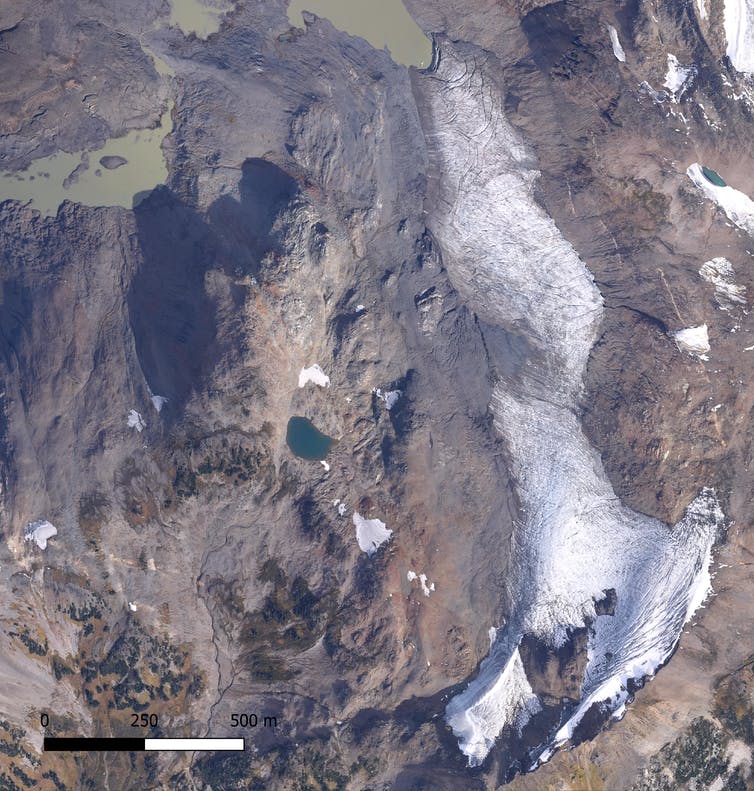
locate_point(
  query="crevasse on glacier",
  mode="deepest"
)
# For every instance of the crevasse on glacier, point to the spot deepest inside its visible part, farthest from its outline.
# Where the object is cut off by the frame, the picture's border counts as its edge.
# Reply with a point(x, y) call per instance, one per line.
point(576, 539)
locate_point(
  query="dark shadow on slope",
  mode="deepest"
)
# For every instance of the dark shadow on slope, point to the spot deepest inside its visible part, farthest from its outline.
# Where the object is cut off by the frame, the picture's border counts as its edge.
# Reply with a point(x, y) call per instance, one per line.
point(246, 226)
point(172, 317)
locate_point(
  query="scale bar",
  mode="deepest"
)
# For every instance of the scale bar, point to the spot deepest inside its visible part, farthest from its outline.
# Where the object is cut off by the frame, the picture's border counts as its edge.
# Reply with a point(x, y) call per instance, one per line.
point(193, 744)
point(136, 744)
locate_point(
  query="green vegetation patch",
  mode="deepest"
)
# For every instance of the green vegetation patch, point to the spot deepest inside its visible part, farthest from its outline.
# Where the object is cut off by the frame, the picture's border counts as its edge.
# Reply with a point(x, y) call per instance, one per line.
point(291, 619)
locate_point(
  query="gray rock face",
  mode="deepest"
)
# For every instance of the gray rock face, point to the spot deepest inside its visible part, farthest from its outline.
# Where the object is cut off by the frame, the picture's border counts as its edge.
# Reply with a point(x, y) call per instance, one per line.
point(112, 162)
point(301, 224)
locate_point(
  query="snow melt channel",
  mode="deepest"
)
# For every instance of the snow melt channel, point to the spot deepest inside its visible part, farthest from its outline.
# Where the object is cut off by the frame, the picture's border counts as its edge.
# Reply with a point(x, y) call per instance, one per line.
point(575, 539)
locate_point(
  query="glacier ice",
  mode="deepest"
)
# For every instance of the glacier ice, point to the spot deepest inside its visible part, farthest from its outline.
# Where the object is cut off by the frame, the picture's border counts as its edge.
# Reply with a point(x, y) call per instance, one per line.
point(738, 21)
point(575, 539)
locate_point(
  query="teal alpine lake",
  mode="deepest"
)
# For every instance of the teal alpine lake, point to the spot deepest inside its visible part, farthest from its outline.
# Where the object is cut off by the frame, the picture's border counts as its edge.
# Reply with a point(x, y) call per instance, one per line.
point(714, 177)
point(306, 441)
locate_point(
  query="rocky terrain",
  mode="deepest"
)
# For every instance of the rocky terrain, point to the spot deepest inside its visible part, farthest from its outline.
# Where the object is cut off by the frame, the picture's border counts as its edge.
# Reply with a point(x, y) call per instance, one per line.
point(315, 213)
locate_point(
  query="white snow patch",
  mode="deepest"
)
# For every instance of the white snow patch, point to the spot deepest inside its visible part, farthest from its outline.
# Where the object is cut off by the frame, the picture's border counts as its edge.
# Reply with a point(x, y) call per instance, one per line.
point(135, 420)
point(738, 206)
point(390, 397)
point(340, 506)
point(132, 606)
point(371, 534)
point(426, 589)
point(615, 41)
point(325, 465)
point(492, 634)
point(739, 754)
point(39, 532)
point(677, 77)
point(158, 402)
point(313, 374)
point(702, 6)
point(720, 273)
point(738, 21)
point(693, 340)
point(360, 308)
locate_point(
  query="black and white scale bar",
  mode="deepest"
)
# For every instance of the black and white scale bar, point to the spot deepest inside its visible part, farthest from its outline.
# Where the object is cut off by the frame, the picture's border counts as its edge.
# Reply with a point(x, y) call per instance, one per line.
point(135, 744)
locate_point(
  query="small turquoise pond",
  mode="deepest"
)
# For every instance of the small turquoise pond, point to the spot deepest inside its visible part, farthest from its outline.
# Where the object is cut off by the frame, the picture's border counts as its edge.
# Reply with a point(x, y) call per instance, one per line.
point(713, 177)
point(307, 441)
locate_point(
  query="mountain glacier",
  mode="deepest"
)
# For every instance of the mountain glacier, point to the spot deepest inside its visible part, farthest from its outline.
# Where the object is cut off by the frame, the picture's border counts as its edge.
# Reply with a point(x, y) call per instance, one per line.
point(575, 540)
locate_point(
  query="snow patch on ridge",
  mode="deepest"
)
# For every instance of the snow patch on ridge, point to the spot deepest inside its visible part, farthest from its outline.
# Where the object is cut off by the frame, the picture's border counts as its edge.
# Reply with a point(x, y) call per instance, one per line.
point(135, 420)
point(313, 374)
point(615, 42)
point(371, 534)
point(158, 402)
point(507, 258)
point(39, 532)
point(677, 77)
point(738, 206)
point(390, 397)
point(694, 341)
point(426, 588)
point(720, 273)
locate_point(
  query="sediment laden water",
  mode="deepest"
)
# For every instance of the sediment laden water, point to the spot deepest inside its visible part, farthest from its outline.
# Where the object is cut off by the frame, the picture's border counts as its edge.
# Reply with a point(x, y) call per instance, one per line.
point(575, 539)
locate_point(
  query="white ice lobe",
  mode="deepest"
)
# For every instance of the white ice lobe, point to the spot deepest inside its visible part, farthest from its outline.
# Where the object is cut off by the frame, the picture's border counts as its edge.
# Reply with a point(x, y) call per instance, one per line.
point(576, 539)
point(738, 21)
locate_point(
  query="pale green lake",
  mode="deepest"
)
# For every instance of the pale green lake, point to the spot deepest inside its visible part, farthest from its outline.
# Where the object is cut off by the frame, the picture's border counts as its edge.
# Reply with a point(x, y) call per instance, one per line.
point(193, 16)
point(383, 23)
point(42, 182)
